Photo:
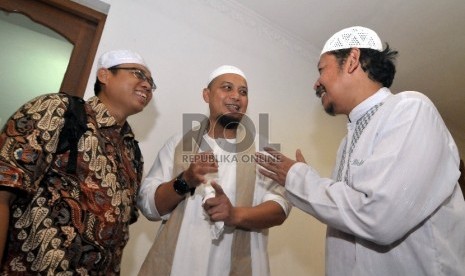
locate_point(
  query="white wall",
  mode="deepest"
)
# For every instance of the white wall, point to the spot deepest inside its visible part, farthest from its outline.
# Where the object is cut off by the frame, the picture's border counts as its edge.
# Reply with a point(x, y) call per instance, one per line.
point(183, 41)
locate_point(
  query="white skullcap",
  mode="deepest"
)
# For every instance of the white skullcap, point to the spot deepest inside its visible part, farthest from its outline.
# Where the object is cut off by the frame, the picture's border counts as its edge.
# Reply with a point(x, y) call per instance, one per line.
point(225, 69)
point(353, 37)
point(117, 57)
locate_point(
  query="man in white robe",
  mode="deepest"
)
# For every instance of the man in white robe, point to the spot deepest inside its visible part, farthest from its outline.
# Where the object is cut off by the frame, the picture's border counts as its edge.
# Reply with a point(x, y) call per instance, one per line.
point(203, 193)
point(393, 205)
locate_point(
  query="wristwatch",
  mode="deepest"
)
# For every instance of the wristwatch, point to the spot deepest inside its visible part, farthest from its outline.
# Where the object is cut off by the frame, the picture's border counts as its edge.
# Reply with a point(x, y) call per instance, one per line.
point(181, 187)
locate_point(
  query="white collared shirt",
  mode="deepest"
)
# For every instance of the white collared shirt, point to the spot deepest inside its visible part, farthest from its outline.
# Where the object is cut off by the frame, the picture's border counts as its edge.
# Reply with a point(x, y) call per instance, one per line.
point(400, 210)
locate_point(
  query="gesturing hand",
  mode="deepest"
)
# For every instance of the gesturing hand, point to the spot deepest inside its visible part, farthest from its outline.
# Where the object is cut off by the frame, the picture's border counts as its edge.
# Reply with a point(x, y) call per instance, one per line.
point(277, 165)
point(219, 208)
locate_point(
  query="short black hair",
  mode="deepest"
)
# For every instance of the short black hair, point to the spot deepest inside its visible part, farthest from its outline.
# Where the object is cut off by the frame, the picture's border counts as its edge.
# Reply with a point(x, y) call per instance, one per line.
point(98, 84)
point(380, 66)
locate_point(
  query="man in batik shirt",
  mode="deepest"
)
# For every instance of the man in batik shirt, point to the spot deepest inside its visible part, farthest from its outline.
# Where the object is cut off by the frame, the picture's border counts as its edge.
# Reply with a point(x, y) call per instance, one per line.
point(55, 222)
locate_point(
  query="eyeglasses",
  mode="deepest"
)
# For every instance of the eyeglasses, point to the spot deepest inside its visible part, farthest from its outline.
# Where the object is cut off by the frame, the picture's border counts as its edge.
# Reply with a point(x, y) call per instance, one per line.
point(139, 74)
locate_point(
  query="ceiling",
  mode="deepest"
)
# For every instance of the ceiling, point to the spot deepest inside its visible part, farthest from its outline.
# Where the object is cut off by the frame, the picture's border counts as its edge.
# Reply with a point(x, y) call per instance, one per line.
point(429, 35)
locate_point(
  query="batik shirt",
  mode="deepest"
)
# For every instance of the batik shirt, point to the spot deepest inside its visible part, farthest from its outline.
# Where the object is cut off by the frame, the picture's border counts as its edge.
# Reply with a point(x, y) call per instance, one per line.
point(60, 223)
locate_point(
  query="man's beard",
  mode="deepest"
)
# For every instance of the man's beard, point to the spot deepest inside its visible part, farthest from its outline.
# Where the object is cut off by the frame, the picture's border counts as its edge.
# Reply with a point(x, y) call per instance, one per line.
point(330, 110)
point(229, 122)
point(320, 93)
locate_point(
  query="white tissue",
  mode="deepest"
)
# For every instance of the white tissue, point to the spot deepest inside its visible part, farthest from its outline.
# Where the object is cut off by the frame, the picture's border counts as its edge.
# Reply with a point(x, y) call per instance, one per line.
point(216, 228)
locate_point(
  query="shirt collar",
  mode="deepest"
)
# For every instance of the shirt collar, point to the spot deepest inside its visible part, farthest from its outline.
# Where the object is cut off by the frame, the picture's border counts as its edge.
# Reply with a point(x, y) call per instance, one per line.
point(368, 103)
point(105, 119)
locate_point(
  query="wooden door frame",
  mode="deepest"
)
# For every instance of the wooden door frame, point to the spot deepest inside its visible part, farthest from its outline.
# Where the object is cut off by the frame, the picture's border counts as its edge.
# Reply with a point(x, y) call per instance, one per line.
point(80, 25)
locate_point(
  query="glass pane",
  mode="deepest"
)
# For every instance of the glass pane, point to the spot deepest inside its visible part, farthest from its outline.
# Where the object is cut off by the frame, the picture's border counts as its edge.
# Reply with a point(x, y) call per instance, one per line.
point(33, 58)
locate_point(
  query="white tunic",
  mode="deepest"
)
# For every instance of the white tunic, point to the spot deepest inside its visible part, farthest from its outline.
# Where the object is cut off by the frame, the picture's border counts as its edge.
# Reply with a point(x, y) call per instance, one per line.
point(398, 210)
point(196, 252)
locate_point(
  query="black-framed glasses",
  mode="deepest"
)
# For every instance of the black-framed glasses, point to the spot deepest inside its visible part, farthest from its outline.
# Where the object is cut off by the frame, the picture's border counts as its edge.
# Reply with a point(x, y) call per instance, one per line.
point(139, 74)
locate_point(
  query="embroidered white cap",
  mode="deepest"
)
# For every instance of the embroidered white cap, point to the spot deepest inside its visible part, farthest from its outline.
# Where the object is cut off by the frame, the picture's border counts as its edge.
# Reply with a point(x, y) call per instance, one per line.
point(117, 57)
point(225, 69)
point(353, 37)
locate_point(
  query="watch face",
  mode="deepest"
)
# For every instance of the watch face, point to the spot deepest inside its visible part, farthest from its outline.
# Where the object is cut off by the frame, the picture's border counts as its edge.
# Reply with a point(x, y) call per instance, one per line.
point(180, 186)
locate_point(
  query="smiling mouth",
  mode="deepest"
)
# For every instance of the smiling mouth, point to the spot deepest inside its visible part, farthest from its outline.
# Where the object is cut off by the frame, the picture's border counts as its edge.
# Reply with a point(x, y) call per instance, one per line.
point(142, 95)
point(320, 91)
point(232, 107)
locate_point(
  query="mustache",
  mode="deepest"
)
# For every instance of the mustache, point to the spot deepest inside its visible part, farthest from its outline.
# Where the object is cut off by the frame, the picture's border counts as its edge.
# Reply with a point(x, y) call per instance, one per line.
point(228, 122)
point(319, 91)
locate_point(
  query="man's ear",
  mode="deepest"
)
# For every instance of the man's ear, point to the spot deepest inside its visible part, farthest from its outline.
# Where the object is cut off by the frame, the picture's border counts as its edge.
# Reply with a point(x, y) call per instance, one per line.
point(102, 75)
point(206, 95)
point(353, 60)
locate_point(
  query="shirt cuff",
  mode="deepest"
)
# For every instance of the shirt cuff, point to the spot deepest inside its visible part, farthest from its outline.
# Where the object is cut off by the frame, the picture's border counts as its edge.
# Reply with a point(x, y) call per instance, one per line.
point(297, 177)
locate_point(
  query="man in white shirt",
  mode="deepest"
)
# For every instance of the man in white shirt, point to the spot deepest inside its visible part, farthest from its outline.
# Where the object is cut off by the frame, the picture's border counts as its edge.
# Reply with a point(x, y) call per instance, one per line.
point(216, 209)
point(393, 205)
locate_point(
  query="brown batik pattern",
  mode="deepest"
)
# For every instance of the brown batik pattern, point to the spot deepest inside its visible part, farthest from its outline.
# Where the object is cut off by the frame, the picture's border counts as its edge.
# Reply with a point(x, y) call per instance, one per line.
point(63, 224)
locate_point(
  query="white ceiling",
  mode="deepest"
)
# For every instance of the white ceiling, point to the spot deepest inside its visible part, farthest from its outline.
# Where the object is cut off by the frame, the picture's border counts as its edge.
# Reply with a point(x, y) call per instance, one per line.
point(429, 35)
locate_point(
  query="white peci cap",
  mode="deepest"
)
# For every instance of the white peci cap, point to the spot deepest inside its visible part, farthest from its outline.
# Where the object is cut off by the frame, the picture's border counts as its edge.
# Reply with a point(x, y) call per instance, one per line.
point(225, 69)
point(117, 57)
point(353, 37)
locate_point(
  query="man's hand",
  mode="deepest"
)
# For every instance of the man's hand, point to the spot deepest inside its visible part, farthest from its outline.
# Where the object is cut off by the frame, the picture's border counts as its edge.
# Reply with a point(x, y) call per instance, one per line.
point(167, 198)
point(202, 164)
point(277, 165)
point(262, 216)
point(219, 208)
